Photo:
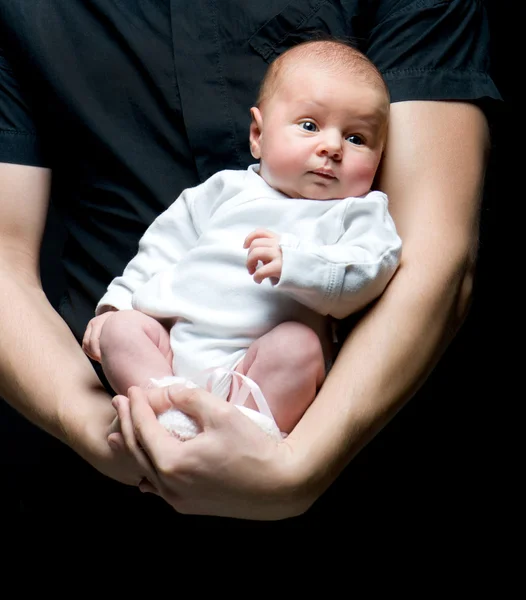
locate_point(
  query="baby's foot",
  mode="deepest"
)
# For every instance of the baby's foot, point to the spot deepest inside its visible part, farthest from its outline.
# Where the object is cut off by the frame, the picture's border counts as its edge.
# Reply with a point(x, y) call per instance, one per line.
point(185, 428)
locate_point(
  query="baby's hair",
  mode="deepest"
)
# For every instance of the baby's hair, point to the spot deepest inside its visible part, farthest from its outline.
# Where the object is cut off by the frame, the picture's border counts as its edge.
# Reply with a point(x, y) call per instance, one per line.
point(332, 54)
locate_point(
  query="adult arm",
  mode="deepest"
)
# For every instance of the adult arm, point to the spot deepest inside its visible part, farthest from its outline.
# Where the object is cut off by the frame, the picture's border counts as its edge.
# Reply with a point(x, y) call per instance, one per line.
point(43, 372)
point(433, 173)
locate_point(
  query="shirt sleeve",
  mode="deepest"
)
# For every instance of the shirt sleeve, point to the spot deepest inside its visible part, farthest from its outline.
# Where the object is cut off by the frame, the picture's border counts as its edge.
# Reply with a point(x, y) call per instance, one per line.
point(433, 50)
point(19, 142)
point(339, 279)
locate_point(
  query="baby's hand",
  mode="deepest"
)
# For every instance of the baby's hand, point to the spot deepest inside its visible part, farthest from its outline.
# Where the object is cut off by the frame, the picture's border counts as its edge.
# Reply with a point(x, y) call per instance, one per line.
point(91, 339)
point(263, 245)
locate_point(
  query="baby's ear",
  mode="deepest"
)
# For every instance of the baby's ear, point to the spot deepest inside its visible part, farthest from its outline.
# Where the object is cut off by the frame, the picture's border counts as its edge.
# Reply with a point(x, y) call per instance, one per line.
point(256, 132)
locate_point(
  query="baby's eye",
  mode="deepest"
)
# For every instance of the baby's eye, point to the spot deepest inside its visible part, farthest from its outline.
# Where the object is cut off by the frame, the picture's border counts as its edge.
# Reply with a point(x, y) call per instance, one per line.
point(309, 126)
point(355, 139)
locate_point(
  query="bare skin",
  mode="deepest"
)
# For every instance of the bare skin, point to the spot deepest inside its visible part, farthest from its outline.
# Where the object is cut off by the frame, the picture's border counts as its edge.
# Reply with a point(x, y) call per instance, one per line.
point(384, 361)
point(39, 384)
point(287, 363)
point(233, 469)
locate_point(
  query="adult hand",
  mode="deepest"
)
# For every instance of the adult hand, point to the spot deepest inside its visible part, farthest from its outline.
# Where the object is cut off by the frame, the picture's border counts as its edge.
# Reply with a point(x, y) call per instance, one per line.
point(100, 443)
point(232, 468)
point(263, 246)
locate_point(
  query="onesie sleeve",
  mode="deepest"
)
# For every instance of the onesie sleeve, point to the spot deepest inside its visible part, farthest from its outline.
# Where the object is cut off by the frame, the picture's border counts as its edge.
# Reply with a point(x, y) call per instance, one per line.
point(173, 233)
point(341, 278)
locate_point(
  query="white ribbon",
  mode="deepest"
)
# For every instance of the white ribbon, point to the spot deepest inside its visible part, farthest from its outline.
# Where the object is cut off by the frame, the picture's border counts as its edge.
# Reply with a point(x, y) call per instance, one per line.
point(185, 427)
point(239, 394)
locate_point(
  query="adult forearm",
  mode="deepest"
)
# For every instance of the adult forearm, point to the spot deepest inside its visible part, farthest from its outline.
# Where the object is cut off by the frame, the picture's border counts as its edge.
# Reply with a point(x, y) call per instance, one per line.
point(433, 174)
point(43, 372)
point(385, 359)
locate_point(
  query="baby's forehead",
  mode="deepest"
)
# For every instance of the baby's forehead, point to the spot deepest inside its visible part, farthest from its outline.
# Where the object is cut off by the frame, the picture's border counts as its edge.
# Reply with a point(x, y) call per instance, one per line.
point(293, 74)
point(316, 85)
point(308, 68)
point(326, 64)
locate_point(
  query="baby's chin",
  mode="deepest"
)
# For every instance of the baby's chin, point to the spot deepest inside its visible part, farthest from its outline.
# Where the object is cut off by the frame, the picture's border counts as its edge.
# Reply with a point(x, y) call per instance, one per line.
point(321, 191)
point(326, 194)
point(315, 191)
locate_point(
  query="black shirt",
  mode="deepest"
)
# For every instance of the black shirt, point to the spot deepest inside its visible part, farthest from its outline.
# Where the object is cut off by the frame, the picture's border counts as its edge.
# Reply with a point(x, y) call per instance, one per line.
point(131, 101)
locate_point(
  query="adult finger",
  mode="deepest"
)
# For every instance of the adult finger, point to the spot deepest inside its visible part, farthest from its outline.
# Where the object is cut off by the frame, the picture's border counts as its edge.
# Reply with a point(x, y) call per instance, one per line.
point(159, 397)
point(115, 425)
point(150, 434)
point(147, 488)
point(195, 402)
point(122, 406)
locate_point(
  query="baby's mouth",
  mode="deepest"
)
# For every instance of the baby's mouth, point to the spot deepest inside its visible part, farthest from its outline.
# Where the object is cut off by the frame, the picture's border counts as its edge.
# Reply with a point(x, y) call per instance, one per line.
point(325, 173)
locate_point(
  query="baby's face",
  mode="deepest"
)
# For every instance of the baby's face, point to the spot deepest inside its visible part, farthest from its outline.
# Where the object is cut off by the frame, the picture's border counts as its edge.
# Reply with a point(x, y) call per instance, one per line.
point(320, 135)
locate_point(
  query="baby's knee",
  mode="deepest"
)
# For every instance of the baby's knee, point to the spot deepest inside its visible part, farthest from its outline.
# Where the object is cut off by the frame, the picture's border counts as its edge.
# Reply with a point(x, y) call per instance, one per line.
point(297, 346)
point(119, 329)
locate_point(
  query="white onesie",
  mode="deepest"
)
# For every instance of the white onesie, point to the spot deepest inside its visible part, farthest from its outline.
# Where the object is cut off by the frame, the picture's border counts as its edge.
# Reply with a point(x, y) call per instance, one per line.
point(338, 255)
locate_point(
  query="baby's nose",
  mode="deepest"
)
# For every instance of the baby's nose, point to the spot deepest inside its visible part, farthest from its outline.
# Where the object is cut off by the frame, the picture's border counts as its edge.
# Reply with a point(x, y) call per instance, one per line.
point(331, 145)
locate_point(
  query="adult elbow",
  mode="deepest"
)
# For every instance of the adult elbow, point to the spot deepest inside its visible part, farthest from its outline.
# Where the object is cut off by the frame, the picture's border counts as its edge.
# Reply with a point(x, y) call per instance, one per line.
point(466, 286)
point(465, 268)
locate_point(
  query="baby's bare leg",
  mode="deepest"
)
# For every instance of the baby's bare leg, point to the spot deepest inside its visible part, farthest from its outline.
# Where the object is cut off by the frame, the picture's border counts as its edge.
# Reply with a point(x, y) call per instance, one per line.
point(134, 348)
point(288, 365)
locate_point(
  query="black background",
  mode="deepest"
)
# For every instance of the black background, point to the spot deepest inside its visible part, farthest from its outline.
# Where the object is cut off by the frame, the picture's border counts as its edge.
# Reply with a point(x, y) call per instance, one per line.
point(446, 459)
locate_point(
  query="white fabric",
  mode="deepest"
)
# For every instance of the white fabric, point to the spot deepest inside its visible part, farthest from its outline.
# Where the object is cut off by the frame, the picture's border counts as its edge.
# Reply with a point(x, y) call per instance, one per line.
point(338, 255)
point(183, 427)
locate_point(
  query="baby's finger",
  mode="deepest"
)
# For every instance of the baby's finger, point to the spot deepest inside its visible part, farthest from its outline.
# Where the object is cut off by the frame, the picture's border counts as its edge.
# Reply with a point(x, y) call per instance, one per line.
point(272, 269)
point(93, 350)
point(95, 337)
point(264, 255)
point(257, 233)
point(86, 338)
point(262, 243)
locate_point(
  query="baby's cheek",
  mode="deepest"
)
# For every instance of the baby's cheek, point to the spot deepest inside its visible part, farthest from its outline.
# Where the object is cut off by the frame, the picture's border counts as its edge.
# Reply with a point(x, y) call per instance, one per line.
point(361, 177)
point(367, 169)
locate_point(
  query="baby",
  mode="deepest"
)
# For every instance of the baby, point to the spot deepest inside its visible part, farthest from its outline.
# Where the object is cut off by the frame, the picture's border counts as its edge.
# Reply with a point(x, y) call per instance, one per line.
point(241, 276)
